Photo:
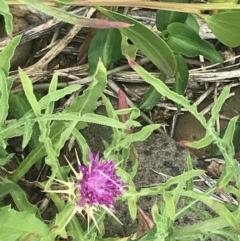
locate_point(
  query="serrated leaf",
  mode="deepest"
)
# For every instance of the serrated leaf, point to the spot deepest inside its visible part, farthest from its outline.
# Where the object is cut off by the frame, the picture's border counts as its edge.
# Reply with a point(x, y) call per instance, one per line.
point(184, 40)
point(147, 41)
point(138, 136)
point(164, 18)
point(18, 195)
point(106, 45)
point(7, 53)
point(13, 222)
point(4, 11)
point(57, 95)
point(218, 207)
point(225, 27)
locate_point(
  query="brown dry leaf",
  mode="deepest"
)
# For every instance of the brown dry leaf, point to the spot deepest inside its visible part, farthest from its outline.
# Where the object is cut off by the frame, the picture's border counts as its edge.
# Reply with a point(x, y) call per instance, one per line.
point(144, 222)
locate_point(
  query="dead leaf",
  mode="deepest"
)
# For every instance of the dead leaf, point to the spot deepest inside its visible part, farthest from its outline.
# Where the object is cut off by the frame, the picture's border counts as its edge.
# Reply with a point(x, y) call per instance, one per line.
point(144, 222)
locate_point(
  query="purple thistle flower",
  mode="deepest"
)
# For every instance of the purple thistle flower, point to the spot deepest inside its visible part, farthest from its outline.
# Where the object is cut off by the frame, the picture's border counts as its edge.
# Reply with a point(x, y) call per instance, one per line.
point(99, 184)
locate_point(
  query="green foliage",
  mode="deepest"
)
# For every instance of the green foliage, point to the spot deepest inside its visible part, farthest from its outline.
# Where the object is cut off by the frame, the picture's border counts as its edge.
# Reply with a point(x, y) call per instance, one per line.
point(4, 11)
point(47, 132)
point(106, 45)
point(16, 224)
point(184, 40)
point(164, 18)
point(146, 41)
point(225, 27)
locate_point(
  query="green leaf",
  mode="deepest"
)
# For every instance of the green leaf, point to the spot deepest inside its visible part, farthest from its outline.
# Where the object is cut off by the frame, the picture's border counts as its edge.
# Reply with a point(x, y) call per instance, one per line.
point(4, 95)
point(7, 54)
point(184, 40)
point(56, 95)
point(14, 223)
point(164, 18)
point(218, 207)
point(138, 136)
point(181, 78)
point(128, 50)
point(18, 107)
point(4, 10)
point(106, 45)
point(192, 23)
point(225, 27)
point(152, 96)
point(18, 195)
point(182, 75)
point(147, 41)
point(28, 89)
point(170, 206)
point(89, 102)
point(229, 134)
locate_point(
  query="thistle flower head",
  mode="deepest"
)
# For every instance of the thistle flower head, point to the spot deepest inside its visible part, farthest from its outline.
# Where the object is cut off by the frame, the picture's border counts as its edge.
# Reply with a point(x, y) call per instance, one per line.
point(96, 185)
point(99, 184)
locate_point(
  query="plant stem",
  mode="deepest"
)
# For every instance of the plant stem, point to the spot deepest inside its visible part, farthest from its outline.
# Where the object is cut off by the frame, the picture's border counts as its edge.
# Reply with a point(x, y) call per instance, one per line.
point(169, 6)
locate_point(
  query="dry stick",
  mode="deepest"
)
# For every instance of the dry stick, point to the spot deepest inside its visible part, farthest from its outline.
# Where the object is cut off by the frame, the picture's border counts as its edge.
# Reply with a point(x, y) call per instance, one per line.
point(34, 32)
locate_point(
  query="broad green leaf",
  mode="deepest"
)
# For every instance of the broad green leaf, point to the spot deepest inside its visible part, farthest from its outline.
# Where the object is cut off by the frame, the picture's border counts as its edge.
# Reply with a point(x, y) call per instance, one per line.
point(170, 206)
point(192, 23)
point(28, 89)
point(7, 53)
point(152, 97)
point(4, 11)
point(218, 207)
point(13, 222)
point(184, 40)
point(147, 41)
point(225, 27)
point(18, 195)
point(164, 18)
point(105, 45)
